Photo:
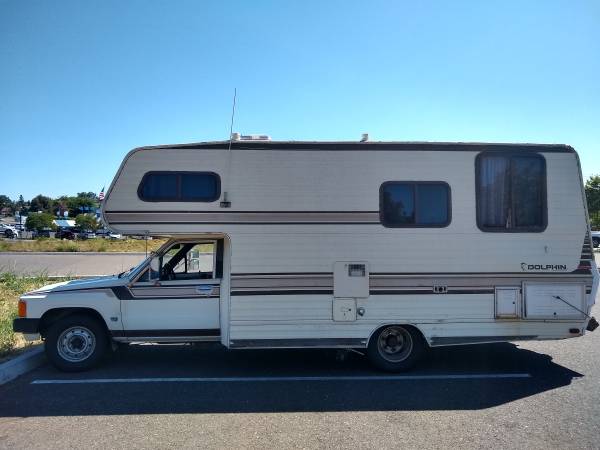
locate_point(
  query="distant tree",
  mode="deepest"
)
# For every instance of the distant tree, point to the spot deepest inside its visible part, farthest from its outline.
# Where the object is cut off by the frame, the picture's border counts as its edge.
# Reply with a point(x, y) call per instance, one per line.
point(41, 203)
point(6, 202)
point(81, 204)
point(592, 194)
point(39, 221)
point(86, 222)
point(90, 195)
point(21, 206)
point(61, 204)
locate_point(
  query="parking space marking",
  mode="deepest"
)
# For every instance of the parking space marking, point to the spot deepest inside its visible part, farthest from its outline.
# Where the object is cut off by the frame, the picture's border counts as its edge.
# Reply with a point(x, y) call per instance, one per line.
point(481, 376)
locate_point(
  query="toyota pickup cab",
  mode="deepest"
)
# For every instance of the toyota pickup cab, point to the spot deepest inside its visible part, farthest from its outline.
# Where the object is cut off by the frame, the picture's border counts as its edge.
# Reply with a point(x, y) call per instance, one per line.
point(171, 296)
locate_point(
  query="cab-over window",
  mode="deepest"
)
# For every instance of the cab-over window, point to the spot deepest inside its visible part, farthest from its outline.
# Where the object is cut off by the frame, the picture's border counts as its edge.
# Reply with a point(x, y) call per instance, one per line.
point(180, 187)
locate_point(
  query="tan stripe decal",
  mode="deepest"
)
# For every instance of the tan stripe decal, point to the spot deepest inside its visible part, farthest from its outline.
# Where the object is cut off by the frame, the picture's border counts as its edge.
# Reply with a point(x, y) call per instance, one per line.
point(244, 217)
point(379, 282)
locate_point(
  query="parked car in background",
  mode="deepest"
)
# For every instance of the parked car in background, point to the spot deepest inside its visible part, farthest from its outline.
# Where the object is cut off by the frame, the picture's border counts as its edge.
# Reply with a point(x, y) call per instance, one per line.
point(65, 234)
point(596, 239)
point(114, 236)
point(102, 232)
point(86, 234)
point(43, 233)
point(8, 231)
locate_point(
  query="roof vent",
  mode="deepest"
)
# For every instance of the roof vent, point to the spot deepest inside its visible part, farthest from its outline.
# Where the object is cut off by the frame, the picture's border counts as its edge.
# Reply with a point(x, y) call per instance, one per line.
point(364, 137)
point(255, 137)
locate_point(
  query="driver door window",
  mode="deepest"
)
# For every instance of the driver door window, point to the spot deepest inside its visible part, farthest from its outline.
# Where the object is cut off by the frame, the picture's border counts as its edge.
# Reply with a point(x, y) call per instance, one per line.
point(189, 261)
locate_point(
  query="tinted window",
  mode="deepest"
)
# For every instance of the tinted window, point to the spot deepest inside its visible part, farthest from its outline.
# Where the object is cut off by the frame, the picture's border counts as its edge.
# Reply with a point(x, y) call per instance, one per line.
point(511, 192)
point(399, 203)
point(159, 186)
point(433, 204)
point(198, 187)
point(180, 187)
point(414, 204)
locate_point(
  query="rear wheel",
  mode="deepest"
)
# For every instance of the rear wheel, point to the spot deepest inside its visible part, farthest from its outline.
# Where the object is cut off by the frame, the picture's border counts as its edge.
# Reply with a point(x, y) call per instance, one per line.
point(595, 242)
point(395, 348)
point(76, 343)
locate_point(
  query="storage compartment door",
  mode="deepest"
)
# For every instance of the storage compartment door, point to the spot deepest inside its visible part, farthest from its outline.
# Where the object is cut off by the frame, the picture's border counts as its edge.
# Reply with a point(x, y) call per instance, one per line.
point(554, 300)
point(344, 309)
point(350, 279)
point(507, 302)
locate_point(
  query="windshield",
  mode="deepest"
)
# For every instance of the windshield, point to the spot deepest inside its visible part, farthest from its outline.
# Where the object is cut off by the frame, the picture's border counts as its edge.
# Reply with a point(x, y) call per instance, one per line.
point(134, 270)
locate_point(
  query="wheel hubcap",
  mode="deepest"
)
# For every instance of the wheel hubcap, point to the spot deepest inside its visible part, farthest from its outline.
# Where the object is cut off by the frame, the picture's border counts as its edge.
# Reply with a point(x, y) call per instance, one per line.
point(395, 344)
point(76, 344)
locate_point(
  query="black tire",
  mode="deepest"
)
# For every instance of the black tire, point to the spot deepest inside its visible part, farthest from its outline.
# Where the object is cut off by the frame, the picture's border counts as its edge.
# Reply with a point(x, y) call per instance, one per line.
point(82, 337)
point(595, 242)
point(405, 346)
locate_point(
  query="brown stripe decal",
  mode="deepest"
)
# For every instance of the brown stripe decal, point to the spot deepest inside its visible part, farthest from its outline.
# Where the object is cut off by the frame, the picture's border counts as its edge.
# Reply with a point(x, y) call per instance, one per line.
point(241, 217)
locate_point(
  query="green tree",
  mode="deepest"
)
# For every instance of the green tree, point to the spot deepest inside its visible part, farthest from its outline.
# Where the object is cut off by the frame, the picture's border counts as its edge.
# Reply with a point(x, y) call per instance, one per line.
point(21, 206)
point(61, 204)
point(592, 194)
point(6, 202)
point(88, 195)
point(39, 221)
point(86, 222)
point(81, 205)
point(41, 203)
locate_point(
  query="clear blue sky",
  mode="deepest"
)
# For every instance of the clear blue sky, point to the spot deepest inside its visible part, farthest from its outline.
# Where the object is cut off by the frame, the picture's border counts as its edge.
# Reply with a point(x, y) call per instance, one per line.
point(83, 82)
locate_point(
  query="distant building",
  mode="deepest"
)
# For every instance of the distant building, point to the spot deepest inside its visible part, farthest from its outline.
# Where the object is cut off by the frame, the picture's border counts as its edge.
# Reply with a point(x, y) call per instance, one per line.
point(64, 223)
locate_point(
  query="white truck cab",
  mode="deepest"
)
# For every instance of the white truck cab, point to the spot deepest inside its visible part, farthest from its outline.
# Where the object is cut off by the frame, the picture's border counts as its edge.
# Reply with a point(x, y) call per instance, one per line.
point(171, 296)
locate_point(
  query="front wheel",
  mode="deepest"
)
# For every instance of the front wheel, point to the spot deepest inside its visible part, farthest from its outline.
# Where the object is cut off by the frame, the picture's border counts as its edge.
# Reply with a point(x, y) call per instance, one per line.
point(75, 343)
point(395, 348)
point(595, 242)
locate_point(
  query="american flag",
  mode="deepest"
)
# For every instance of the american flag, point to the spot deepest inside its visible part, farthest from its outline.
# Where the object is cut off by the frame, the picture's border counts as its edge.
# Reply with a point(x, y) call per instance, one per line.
point(101, 194)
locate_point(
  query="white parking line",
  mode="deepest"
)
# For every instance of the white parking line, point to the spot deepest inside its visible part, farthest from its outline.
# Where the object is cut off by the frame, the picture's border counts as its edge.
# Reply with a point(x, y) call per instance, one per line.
point(481, 376)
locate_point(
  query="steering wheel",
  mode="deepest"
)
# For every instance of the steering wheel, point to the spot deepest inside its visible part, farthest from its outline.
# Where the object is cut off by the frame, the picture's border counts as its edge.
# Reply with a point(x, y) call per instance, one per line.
point(169, 273)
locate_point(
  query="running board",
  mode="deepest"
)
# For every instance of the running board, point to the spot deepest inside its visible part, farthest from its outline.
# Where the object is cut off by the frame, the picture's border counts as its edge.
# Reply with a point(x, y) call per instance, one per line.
point(299, 343)
point(464, 340)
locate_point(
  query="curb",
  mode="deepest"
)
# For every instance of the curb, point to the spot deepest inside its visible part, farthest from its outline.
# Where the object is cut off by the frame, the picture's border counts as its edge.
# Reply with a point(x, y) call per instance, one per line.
point(24, 363)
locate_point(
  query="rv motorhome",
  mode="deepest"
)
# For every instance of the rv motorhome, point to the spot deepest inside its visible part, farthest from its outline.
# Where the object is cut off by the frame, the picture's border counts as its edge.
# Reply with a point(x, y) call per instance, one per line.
point(389, 247)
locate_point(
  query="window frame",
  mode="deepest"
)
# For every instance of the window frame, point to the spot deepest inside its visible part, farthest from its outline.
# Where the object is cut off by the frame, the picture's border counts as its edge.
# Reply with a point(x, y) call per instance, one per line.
point(415, 184)
point(194, 243)
point(510, 155)
point(178, 174)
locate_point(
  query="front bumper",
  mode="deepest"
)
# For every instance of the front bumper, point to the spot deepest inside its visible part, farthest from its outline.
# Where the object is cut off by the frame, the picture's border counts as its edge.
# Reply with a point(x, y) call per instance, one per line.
point(26, 325)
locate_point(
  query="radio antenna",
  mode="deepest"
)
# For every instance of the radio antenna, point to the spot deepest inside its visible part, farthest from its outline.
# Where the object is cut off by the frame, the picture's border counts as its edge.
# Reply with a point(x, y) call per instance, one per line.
point(226, 203)
point(232, 117)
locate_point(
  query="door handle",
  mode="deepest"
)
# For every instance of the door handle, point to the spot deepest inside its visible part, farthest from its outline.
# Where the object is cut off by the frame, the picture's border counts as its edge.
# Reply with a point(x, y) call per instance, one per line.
point(204, 289)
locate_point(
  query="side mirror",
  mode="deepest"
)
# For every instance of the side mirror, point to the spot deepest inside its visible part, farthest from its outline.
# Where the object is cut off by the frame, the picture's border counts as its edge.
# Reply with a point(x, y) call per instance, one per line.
point(155, 264)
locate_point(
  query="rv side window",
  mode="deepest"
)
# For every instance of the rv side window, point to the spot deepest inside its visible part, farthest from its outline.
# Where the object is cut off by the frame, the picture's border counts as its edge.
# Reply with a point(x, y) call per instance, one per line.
point(511, 192)
point(414, 204)
point(180, 187)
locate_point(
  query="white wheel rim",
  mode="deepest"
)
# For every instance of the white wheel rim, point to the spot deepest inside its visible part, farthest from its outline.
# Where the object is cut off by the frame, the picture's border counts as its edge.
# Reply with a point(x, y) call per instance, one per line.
point(76, 344)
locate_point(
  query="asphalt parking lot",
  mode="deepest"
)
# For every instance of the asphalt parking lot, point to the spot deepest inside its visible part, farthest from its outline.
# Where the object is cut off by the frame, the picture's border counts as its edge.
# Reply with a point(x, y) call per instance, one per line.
point(534, 395)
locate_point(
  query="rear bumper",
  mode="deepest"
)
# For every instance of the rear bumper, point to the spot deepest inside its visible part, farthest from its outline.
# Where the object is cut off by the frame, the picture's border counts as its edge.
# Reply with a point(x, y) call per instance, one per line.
point(26, 325)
